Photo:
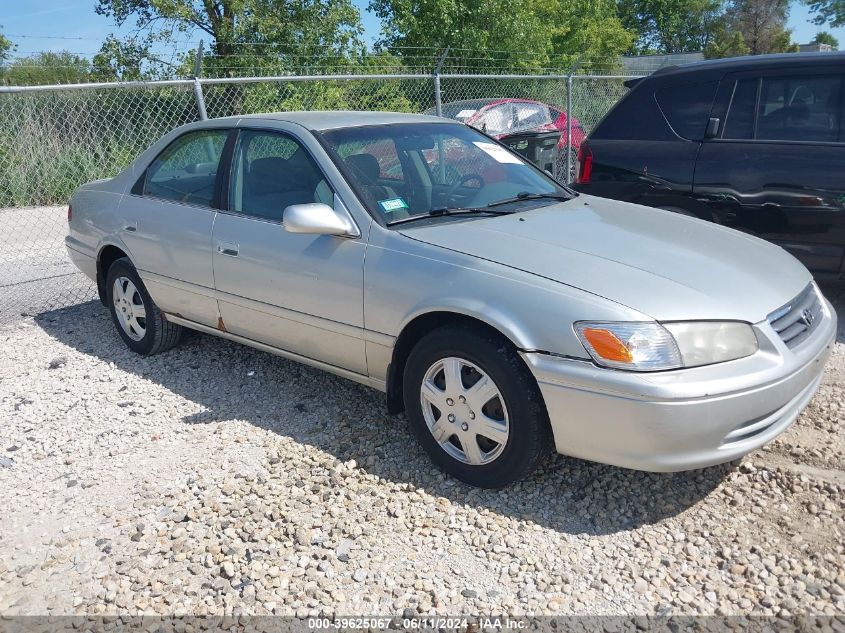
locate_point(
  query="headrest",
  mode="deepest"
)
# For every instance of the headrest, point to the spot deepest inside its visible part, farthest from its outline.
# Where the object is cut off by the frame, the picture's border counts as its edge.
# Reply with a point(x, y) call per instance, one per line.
point(367, 164)
point(270, 167)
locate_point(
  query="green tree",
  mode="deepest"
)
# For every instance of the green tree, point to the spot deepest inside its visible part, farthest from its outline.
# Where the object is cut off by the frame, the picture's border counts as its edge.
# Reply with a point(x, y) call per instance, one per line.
point(762, 24)
point(830, 12)
point(671, 26)
point(481, 33)
point(518, 34)
point(726, 43)
point(589, 31)
point(753, 27)
point(243, 33)
point(823, 37)
point(122, 60)
point(6, 47)
point(48, 67)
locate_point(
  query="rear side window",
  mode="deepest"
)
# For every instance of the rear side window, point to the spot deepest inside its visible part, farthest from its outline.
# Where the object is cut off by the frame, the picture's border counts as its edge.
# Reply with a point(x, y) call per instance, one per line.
point(687, 108)
point(635, 118)
point(186, 171)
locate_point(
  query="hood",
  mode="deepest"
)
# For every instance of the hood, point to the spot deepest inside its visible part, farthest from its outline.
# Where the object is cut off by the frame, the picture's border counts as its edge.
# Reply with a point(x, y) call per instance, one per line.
point(665, 265)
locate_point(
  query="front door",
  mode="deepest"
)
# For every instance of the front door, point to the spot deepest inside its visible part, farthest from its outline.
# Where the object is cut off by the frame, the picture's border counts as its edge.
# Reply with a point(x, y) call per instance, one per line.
point(297, 292)
point(777, 168)
point(167, 223)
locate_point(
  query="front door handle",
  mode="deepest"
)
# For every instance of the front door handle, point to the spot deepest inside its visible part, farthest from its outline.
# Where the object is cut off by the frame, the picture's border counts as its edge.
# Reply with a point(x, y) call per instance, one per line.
point(228, 248)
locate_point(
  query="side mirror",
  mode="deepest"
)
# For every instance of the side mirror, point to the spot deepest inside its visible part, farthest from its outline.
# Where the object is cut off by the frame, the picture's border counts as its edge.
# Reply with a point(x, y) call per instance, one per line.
point(712, 130)
point(316, 218)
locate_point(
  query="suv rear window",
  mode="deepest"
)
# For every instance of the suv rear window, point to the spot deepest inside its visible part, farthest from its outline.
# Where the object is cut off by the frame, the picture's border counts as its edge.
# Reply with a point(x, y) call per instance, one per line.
point(687, 108)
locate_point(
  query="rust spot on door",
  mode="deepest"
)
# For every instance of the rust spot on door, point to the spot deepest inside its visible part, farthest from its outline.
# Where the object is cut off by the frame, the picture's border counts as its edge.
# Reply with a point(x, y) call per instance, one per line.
point(220, 325)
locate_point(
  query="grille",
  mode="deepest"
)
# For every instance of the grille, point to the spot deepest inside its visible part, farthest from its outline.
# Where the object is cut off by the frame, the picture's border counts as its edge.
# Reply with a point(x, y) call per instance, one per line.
point(795, 321)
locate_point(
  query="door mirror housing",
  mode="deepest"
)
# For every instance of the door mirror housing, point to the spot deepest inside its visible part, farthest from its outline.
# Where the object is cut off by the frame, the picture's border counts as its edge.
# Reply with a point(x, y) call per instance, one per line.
point(712, 130)
point(316, 218)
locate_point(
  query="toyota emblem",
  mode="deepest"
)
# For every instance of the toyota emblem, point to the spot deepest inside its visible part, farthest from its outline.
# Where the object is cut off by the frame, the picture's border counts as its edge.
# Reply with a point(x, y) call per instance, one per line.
point(808, 317)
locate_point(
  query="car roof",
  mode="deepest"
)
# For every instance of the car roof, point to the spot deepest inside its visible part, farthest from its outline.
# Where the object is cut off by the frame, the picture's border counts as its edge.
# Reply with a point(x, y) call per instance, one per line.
point(329, 120)
point(750, 62)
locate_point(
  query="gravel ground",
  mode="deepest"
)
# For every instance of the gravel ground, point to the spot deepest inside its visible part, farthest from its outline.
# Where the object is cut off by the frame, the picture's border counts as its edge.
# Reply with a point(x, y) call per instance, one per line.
point(35, 271)
point(217, 479)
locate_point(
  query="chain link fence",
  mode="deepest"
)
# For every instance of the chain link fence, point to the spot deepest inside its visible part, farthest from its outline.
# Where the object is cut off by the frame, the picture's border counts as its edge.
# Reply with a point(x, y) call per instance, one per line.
point(54, 138)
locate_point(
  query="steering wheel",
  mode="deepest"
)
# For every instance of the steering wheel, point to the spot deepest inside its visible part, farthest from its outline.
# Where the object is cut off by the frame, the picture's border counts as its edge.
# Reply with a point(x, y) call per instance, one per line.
point(460, 181)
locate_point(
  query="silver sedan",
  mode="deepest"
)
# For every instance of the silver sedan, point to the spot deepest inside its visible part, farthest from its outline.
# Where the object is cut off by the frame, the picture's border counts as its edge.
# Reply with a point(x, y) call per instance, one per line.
point(502, 312)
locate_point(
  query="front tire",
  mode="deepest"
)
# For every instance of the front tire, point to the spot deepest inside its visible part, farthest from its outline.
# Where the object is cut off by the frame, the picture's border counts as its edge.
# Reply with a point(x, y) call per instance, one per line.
point(138, 320)
point(475, 407)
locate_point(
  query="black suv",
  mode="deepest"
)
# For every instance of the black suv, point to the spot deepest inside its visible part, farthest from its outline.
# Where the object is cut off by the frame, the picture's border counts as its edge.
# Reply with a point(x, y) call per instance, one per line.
point(754, 143)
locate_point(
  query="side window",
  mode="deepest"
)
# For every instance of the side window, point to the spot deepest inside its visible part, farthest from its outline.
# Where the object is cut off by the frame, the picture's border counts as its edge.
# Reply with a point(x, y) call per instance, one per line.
point(272, 171)
point(799, 108)
point(687, 108)
point(739, 121)
point(186, 170)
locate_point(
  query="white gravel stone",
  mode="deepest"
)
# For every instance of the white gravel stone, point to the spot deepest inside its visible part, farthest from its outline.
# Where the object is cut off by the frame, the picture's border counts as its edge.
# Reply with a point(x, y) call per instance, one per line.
point(203, 489)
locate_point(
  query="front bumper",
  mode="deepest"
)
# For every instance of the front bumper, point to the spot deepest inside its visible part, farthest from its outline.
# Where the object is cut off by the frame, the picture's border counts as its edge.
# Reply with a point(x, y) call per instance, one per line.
point(683, 419)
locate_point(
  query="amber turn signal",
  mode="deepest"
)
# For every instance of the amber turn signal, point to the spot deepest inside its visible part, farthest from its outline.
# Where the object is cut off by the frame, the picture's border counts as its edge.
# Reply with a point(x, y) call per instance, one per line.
point(606, 345)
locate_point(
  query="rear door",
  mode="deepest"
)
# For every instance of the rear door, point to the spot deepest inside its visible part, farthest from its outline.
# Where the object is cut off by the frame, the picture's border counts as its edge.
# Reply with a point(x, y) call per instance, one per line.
point(167, 222)
point(644, 151)
point(777, 166)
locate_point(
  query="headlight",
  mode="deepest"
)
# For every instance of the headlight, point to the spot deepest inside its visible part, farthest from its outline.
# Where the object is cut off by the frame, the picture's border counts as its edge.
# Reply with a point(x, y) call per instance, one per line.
point(655, 347)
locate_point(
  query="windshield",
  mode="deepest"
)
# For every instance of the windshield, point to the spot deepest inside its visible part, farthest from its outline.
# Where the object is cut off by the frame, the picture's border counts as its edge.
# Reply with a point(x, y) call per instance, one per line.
point(417, 169)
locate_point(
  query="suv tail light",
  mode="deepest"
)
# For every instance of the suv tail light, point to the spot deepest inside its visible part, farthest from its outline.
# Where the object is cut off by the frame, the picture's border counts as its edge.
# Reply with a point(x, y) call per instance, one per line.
point(584, 164)
point(69, 213)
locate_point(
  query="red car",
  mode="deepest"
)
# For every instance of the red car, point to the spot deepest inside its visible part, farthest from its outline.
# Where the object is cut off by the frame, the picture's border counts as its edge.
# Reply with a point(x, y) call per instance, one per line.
point(501, 118)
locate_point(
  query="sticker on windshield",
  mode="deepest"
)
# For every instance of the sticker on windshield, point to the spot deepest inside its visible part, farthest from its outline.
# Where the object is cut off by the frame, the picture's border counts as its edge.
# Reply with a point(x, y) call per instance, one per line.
point(392, 204)
point(497, 153)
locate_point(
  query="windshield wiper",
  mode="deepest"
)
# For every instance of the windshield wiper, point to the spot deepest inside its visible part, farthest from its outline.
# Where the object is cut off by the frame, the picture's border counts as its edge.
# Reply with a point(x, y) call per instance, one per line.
point(441, 211)
point(531, 196)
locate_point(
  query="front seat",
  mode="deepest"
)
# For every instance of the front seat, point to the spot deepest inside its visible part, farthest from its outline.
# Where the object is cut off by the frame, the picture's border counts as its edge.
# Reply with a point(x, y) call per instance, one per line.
point(367, 169)
point(272, 184)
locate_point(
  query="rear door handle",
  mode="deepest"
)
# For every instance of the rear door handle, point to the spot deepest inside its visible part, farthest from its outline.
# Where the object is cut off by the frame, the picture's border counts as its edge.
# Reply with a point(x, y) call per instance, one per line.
point(228, 248)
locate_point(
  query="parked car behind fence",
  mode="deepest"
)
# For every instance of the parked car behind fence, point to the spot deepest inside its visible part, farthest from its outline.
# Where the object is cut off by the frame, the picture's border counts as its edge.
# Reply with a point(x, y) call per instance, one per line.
point(532, 128)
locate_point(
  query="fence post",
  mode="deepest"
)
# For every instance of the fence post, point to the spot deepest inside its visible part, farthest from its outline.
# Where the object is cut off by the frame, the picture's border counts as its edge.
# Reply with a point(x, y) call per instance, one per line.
point(438, 104)
point(569, 120)
point(198, 86)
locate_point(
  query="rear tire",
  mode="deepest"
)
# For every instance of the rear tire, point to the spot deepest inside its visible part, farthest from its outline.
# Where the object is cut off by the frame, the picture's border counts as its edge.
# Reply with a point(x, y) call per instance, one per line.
point(140, 323)
point(489, 437)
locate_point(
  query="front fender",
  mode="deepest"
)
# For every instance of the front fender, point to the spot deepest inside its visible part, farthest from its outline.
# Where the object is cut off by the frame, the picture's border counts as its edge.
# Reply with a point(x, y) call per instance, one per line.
point(405, 278)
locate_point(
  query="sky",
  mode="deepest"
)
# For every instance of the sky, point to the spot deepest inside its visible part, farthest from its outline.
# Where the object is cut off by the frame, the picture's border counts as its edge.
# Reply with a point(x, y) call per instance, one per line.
point(85, 30)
